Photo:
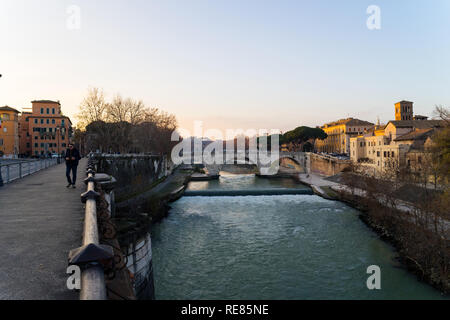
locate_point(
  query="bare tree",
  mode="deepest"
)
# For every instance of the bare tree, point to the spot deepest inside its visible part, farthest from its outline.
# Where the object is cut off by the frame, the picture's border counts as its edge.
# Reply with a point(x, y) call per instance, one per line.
point(135, 111)
point(129, 110)
point(125, 125)
point(116, 110)
point(92, 109)
point(442, 113)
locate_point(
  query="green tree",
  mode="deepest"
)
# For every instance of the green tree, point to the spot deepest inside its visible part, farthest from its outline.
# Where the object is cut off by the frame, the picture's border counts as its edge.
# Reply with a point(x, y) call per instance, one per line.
point(301, 135)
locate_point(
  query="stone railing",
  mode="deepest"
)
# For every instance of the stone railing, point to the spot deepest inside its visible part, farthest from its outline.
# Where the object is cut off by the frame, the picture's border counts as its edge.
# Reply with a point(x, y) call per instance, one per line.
point(92, 257)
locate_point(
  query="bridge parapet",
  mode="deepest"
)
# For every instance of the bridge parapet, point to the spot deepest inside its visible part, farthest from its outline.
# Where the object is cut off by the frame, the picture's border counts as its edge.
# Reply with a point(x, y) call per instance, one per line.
point(267, 163)
point(92, 256)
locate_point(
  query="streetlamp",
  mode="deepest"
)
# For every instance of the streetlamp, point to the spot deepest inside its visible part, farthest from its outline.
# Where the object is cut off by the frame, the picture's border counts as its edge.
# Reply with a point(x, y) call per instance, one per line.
point(57, 136)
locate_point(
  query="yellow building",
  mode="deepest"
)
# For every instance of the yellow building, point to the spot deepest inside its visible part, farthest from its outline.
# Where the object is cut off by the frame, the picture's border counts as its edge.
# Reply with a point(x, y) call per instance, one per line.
point(387, 148)
point(9, 132)
point(339, 134)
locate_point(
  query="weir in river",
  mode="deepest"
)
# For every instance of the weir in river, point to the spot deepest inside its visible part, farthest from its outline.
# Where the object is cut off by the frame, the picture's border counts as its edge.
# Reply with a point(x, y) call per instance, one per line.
point(287, 246)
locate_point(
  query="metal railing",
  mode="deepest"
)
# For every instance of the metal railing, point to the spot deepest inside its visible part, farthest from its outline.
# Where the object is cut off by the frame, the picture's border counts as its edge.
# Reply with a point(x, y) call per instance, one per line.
point(10, 171)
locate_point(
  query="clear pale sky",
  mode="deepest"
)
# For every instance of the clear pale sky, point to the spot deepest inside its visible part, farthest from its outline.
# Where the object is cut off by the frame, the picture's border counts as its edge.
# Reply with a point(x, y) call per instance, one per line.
point(233, 64)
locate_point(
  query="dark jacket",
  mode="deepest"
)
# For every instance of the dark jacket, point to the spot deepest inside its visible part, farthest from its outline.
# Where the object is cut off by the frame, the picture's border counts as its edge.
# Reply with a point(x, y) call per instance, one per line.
point(72, 153)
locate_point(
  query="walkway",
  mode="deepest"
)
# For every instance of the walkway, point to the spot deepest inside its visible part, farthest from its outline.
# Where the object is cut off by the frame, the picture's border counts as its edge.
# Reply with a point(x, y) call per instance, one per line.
point(40, 222)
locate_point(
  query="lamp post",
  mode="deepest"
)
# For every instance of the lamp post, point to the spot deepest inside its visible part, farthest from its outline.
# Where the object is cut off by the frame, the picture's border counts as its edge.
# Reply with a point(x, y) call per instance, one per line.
point(57, 136)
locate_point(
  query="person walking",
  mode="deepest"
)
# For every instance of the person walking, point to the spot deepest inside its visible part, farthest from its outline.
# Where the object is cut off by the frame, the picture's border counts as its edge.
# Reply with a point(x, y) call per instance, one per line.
point(72, 158)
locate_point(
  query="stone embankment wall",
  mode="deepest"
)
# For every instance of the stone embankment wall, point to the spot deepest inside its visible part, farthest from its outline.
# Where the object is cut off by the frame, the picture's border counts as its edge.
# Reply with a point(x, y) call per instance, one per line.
point(134, 173)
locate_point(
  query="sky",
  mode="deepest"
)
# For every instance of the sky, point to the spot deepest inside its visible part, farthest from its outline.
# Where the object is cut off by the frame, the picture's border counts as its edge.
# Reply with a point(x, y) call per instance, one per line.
point(231, 64)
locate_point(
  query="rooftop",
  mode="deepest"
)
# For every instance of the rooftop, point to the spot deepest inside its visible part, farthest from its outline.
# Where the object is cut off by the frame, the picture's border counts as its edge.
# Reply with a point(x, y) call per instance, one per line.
point(419, 124)
point(404, 101)
point(46, 101)
point(349, 122)
point(417, 134)
point(6, 108)
point(377, 127)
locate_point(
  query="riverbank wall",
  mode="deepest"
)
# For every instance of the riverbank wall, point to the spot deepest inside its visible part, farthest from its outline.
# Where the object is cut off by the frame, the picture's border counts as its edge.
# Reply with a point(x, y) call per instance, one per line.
point(133, 173)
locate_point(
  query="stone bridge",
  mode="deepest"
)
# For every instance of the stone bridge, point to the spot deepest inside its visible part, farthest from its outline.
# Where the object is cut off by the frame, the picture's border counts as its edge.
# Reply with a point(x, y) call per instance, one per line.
point(266, 163)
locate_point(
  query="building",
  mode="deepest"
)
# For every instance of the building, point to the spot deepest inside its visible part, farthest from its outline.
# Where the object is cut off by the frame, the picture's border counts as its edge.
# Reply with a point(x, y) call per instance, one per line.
point(390, 146)
point(9, 132)
point(339, 134)
point(44, 129)
point(404, 110)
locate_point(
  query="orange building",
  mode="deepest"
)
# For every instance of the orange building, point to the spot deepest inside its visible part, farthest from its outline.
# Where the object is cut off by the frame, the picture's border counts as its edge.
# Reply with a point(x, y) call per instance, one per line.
point(44, 130)
point(9, 132)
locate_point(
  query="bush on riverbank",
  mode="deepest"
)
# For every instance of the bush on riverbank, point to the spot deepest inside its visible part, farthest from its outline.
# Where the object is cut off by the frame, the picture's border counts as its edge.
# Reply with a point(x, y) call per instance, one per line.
point(419, 230)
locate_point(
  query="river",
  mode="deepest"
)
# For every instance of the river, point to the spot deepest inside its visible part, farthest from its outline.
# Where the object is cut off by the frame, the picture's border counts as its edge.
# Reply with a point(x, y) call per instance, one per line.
point(272, 247)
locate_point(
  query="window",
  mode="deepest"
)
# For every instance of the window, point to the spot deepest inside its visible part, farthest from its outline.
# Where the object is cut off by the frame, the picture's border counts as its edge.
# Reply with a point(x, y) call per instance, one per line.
point(35, 121)
point(384, 154)
point(1, 142)
point(419, 159)
point(28, 144)
point(53, 120)
point(62, 122)
point(63, 145)
point(36, 145)
point(36, 137)
point(42, 145)
point(42, 121)
point(48, 121)
point(392, 154)
point(42, 110)
point(48, 111)
point(53, 110)
point(378, 153)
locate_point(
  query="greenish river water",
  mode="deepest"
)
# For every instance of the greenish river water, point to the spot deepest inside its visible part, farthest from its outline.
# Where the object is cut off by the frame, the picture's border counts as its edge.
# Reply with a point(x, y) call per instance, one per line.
point(272, 247)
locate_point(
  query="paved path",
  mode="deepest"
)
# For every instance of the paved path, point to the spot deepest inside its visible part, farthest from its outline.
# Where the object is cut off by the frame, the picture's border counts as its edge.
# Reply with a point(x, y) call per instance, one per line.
point(40, 222)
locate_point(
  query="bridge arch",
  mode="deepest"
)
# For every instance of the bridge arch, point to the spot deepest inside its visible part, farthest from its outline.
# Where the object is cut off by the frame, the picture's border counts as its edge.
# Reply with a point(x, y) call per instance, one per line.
point(289, 164)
